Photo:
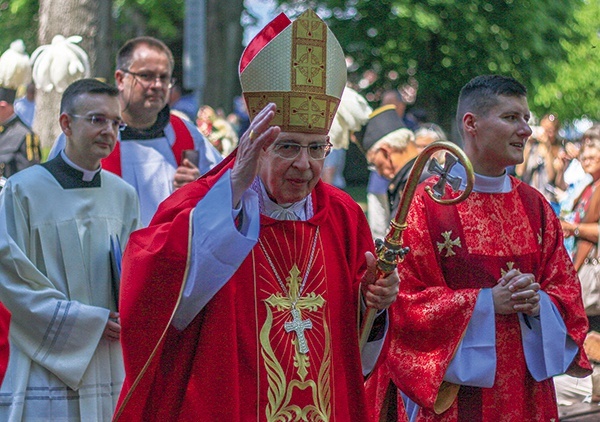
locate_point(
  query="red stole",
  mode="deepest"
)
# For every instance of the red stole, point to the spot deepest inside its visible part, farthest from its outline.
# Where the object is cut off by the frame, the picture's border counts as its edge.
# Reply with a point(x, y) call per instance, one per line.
point(235, 361)
point(183, 141)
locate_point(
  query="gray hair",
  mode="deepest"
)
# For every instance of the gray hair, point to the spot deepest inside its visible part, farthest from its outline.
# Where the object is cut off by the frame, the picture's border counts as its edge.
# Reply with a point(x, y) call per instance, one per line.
point(397, 140)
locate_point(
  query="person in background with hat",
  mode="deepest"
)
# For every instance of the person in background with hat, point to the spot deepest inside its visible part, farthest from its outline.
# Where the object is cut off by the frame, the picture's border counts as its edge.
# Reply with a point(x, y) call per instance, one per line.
point(393, 157)
point(241, 301)
point(388, 117)
point(382, 121)
point(19, 146)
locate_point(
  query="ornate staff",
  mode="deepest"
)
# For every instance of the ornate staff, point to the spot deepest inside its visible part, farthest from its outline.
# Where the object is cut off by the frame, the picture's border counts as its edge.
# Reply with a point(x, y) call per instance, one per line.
point(390, 251)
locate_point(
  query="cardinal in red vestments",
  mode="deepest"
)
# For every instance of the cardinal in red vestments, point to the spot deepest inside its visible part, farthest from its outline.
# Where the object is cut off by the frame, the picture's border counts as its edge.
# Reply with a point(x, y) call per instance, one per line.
point(242, 299)
point(489, 308)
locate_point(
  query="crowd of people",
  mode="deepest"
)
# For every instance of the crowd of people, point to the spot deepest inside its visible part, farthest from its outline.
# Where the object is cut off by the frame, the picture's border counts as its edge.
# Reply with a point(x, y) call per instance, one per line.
point(158, 258)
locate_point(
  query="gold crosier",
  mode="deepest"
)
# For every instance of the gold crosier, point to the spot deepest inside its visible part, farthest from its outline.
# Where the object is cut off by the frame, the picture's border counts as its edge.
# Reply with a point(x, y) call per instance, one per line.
point(390, 251)
point(280, 391)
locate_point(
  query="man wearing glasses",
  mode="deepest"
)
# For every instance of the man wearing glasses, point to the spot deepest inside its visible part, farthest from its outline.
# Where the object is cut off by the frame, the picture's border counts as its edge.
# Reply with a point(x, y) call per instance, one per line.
point(150, 154)
point(242, 300)
point(57, 220)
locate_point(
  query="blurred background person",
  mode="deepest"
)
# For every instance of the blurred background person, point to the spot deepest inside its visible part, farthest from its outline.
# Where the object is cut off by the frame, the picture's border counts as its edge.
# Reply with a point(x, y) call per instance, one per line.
point(19, 146)
point(538, 168)
point(393, 101)
point(582, 227)
point(240, 115)
point(353, 112)
point(183, 103)
point(428, 133)
point(393, 157)
point(219, 132)
point(25, 106)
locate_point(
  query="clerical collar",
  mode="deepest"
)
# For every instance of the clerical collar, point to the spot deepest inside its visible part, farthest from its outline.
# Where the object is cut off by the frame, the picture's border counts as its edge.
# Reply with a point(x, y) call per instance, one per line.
point(71, 176)
point(301, 210)
point(157, 130)
point(483, 184)
point(87, 175)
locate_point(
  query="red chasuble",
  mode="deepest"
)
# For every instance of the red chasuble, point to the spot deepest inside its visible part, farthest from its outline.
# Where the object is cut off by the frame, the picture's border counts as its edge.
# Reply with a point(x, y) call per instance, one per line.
point(456, 251)
point(238, 360)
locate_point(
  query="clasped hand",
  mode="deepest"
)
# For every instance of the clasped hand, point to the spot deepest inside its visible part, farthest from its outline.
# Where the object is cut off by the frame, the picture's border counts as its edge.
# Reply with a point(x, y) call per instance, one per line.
point(378, 293)
point(517, 292)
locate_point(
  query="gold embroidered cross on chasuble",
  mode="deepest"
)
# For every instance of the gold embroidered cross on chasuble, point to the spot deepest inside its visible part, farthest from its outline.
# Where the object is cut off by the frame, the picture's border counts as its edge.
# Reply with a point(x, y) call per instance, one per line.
point(294, 338)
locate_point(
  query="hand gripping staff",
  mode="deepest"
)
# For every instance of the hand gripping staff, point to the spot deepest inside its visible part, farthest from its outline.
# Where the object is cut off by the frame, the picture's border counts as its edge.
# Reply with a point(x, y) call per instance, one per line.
point(390, 251)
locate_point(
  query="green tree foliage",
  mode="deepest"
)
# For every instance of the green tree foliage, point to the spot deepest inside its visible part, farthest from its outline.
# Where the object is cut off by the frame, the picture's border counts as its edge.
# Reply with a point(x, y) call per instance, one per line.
point(576, 90)
point(18, 19)
point(444, 43)
point(160, 18)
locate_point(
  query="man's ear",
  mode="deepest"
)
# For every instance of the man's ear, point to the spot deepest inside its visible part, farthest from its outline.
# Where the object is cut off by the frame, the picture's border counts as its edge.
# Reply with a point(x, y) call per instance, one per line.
point(470, 123)
point(65, 124)
point(119, 75)
point(386, 150)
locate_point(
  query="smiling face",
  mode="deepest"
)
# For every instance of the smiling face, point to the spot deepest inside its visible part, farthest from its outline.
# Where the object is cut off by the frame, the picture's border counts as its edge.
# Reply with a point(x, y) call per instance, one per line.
point(495, 139)
point(88, 143)
point(291, 180)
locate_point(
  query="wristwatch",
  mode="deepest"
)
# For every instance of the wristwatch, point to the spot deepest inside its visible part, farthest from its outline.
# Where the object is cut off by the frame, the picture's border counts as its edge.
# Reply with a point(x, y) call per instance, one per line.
point(576, 231)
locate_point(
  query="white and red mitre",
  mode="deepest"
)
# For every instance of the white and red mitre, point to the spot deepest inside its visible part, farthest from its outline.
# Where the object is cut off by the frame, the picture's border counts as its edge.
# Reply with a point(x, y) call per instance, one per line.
point(300, 67)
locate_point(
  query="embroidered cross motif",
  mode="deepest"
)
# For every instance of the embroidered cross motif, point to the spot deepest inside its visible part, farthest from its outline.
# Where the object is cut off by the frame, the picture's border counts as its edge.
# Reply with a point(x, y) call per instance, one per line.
point(445, 178)
point(296, 303)
point(310, 66)
point(448, 244)
point(509, 265)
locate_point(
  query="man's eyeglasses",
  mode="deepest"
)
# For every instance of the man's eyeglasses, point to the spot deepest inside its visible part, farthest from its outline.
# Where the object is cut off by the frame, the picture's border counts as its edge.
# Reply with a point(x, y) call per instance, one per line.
point(290, 150)
point(591, 158)
point(101, 121)
point(147, 79)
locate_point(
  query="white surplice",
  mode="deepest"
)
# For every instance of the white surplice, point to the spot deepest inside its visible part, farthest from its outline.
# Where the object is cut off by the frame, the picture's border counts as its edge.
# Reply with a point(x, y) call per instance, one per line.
point(55, 278)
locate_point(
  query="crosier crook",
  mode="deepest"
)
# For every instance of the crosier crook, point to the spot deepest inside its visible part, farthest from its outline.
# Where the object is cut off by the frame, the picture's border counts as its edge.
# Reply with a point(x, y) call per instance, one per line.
point(390, 251)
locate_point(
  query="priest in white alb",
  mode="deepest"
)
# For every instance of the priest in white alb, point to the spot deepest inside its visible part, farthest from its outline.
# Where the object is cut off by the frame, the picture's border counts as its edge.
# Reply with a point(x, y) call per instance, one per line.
point(60, 225)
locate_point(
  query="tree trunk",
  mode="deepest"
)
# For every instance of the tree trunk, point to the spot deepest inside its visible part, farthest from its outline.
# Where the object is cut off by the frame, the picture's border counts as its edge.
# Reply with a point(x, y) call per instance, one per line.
point(223, 51)
point(90, 19)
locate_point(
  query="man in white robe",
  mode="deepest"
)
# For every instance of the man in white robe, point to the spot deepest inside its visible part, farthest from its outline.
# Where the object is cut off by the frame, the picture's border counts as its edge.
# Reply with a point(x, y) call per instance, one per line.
point(149, 155)
point(57, 221)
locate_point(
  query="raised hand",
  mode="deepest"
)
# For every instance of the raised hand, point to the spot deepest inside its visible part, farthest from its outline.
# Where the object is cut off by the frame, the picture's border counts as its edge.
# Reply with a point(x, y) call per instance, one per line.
point(259, 136)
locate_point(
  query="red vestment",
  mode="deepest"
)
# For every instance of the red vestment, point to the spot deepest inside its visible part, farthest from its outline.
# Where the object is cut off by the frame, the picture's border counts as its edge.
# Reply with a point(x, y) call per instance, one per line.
point(456, 251)
point(235, 361)
point(4, 345)
point(183, 141)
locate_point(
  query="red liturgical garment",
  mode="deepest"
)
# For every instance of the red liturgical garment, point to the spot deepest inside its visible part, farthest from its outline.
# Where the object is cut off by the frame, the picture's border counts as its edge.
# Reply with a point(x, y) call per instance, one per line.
point(240, 359)
point(456, 251)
